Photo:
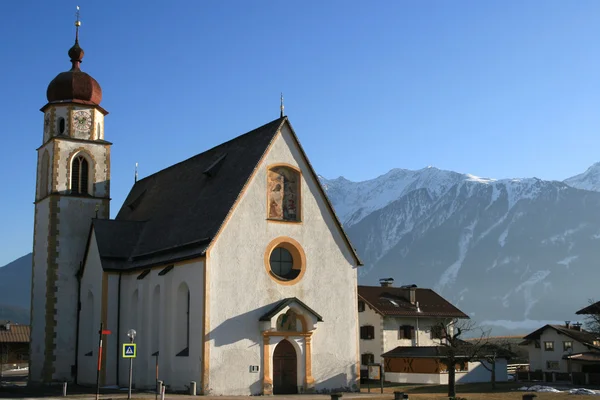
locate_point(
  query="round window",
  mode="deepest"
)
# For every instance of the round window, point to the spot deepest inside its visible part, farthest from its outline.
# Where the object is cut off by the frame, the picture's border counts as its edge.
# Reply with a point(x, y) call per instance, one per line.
point(285, 261)
point(282, 263)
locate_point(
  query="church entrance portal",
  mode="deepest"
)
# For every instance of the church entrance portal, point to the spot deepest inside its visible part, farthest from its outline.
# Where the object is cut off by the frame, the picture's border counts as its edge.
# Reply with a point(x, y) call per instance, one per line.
point(285, 369)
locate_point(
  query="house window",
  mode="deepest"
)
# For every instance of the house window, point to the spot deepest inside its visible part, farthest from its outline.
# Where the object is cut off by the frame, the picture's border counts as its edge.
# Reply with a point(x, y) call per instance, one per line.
point(285, 261)
point(367, 332)
point(437, 332)
point(567, 345)
point(552, 365)
point(361, 306)
point(406, 332)
point(283, 186)
point(79, 175)
point(367, 359)
point(549, 346)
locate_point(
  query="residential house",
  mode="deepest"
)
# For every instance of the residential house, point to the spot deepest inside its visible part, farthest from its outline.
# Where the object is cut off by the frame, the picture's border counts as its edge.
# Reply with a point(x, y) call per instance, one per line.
point(402, 328)
point(563, 349)
point(14, 344)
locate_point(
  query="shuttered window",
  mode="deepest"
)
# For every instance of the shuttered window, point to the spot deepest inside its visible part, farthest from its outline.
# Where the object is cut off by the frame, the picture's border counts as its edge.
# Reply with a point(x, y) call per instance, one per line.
point(80, 176)
point(367, 332)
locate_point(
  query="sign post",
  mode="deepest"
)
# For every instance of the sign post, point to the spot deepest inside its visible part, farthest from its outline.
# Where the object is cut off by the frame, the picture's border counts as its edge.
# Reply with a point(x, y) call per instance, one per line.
point(101, 332)
point(130, 351)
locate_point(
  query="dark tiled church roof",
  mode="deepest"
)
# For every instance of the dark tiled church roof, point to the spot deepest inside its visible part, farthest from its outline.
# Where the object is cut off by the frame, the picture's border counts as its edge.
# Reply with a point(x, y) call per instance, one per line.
point(395, 301)
point(175, 213)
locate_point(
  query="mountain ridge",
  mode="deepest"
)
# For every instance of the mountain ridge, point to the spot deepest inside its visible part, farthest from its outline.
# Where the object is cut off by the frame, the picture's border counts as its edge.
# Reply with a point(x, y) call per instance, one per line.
point(527, 237)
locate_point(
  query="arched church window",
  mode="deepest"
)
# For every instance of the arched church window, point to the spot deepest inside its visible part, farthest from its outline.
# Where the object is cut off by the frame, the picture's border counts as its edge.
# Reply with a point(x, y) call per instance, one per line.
point(44, 175)
point(283, 186)
point(61, 125)
point(183, 321)
point(98, 132)
point(80, 175)
point(89, 331)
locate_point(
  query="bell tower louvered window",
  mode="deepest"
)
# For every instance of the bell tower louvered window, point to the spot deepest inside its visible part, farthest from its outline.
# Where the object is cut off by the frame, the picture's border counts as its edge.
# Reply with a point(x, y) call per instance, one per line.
point(80, 176)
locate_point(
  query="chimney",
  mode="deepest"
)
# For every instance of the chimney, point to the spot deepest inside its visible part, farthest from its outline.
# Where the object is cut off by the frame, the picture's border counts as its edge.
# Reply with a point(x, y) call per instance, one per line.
point(412, 290)
point(386, 282)
point(577, 326)
point(568, 324)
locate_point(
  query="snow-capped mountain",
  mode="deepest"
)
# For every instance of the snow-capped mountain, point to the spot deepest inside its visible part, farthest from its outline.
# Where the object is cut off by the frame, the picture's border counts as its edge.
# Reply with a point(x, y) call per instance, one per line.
point(589, 180)
point(520, 250)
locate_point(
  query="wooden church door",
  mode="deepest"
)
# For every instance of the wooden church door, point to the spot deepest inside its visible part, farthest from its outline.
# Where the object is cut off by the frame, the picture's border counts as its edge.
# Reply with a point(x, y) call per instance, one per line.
point(285, 369)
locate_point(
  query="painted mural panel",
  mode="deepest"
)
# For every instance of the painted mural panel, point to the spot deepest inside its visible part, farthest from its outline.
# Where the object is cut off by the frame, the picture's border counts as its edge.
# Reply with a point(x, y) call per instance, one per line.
point(283, 194)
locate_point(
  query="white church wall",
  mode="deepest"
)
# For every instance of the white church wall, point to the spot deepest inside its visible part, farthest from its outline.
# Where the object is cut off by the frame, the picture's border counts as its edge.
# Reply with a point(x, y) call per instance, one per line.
point(38, 317)
point(71, 242)
point(241, 290)
point(90, 316)
point(158, 328)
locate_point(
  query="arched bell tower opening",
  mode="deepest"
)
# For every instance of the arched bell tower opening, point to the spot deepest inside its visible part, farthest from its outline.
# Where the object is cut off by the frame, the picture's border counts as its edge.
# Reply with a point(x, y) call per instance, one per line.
point(72, 188)
point(285, 368)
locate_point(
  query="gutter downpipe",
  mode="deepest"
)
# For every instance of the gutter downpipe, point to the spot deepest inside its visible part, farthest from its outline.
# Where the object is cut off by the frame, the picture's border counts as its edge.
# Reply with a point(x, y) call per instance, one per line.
point(78, 318)
point(417, 335)
point(118, 325)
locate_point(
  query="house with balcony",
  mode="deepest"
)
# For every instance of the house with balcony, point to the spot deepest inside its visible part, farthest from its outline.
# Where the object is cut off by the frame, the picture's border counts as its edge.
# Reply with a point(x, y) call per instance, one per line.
point(403, 328)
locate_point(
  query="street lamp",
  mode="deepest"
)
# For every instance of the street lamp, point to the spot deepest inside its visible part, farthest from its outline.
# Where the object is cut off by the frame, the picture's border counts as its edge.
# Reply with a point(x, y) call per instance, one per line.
point(131, 334)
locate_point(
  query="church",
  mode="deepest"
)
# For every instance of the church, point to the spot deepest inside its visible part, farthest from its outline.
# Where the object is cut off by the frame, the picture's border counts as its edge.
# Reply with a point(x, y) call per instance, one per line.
point(231, 266)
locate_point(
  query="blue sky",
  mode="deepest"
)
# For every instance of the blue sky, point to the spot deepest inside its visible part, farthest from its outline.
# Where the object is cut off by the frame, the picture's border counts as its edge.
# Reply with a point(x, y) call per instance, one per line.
point(493, 88)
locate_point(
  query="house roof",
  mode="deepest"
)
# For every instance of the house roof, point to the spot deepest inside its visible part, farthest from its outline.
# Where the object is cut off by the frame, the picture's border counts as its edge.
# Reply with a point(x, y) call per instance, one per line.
point(280, 305)
point(589, 356)
point(591, 309)
point(582, 336)
point(176, 213)
point(395, 301)
point(15, 334)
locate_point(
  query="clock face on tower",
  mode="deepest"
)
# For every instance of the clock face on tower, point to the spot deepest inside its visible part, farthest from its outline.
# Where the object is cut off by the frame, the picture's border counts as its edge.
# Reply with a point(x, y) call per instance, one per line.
point(82, 120)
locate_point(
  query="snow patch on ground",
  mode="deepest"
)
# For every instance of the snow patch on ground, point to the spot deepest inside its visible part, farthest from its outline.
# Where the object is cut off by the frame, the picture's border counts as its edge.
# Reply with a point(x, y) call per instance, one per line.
point(562, 237)
point(550, 389)
point(527, 289)
point(449, 276)
point(567, 261)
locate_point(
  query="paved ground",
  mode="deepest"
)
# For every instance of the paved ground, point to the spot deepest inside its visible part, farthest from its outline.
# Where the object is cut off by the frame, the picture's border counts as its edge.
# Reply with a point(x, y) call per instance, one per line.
point(14, 386)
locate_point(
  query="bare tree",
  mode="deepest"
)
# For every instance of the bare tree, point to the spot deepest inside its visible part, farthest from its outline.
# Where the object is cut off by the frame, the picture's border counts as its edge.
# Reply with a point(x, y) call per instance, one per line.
point(454, 349)
point(490, 352)
point(592, 316)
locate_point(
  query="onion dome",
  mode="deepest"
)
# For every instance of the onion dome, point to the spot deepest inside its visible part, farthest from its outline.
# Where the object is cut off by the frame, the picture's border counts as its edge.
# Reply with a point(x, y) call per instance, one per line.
point(74, 84)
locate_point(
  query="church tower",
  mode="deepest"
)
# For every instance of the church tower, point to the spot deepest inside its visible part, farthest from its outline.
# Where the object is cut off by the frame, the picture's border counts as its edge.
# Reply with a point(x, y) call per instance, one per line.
point(72, 187)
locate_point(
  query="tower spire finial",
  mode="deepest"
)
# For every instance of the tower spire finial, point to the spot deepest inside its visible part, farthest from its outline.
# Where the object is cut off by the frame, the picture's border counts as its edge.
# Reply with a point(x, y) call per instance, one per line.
point(281, 107)
point(77, 25)
point(76, 52)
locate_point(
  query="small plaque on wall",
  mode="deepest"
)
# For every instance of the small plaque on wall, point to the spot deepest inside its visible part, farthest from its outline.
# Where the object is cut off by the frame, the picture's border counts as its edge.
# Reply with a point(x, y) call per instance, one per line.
point(254, 368)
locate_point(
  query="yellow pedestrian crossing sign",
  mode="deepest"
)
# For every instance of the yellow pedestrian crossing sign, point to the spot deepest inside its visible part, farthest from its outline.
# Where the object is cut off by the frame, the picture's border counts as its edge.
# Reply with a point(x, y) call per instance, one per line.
point(129, 350)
